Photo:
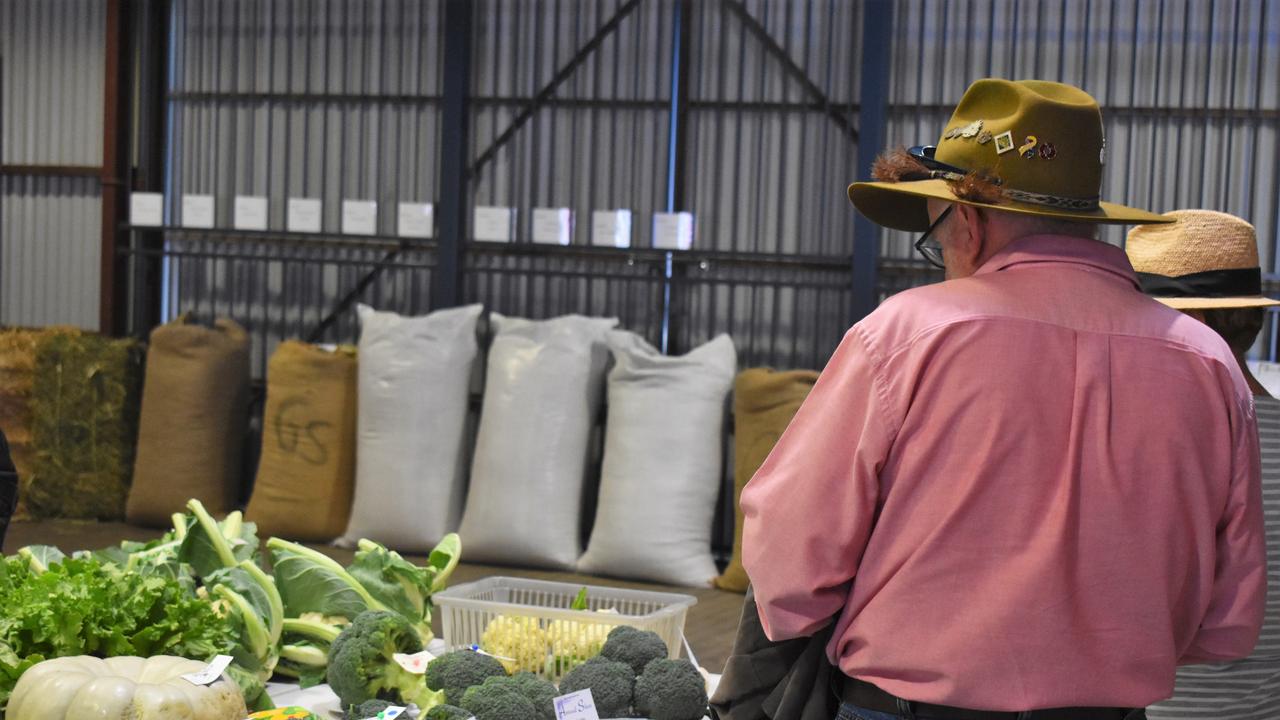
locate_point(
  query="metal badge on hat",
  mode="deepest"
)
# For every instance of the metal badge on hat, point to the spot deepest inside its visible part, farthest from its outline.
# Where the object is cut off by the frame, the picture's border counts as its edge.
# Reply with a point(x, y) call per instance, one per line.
point(1004, 142)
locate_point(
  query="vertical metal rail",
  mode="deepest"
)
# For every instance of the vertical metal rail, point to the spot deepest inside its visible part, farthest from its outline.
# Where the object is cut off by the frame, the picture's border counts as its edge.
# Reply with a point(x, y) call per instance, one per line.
point(150, 23)
point(877, 29)
point(446, 289)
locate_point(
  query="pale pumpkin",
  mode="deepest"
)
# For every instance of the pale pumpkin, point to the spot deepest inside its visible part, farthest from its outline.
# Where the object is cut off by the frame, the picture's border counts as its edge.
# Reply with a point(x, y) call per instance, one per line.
point(135, 688)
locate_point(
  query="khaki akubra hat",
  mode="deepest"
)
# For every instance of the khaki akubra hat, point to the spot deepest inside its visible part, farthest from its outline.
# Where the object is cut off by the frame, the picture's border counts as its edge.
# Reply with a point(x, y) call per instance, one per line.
point(1040, 141)
point(1203, 260)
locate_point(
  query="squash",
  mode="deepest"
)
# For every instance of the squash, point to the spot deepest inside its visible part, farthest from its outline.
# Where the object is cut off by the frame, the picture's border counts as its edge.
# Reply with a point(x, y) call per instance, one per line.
point(135, 688)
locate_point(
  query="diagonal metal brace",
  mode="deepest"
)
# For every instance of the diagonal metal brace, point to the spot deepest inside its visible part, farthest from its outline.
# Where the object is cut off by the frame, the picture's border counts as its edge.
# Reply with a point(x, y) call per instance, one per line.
point(545, 94)
point(797, 73)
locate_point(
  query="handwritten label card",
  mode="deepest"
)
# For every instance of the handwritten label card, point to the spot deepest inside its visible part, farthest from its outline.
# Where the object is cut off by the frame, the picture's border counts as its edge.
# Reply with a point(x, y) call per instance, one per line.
point(212, 671)
point(359, 217)
point(673, 231)
point(611, 228)
point(493, 224)
point(553, 226)
point(576, 706)
point(146, 209)
point(415, 220)
point(251, 212)
point(303, 215)
point(197, 211)
point(415, 663)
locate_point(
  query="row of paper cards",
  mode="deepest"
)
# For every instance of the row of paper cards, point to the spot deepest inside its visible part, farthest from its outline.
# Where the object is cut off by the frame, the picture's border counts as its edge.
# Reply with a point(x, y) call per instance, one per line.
point(552, 226)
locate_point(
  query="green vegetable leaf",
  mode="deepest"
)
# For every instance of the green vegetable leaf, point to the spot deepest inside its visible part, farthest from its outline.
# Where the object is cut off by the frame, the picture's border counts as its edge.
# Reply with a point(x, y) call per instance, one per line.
point(444, 560)
point(579, 600)
point(40, 557)
point(311, 582)
point(394, 581)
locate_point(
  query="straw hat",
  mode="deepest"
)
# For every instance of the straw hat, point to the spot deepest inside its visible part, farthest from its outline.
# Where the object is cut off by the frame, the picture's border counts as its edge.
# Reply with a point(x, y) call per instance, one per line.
point(1041, 142)
point(1204, 260)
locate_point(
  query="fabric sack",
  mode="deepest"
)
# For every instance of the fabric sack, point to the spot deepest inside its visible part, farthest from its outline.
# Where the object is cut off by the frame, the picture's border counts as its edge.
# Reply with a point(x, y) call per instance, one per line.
point(543, 389)
point(662, 462)
point(307, 468)
point(410, 449)
point(195, 408)
point(764, 401)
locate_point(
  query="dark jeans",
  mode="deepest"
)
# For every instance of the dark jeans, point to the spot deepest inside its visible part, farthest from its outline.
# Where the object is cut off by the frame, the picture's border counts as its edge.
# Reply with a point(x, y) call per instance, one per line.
point(849, 712)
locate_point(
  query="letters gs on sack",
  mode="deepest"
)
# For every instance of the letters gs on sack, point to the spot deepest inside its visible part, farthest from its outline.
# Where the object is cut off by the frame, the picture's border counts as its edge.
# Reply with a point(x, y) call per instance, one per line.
point(297, 436)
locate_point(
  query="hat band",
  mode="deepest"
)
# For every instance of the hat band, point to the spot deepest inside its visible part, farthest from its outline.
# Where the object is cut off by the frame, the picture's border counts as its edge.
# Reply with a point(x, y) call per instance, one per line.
point(1211, 284)
point(1055, 201)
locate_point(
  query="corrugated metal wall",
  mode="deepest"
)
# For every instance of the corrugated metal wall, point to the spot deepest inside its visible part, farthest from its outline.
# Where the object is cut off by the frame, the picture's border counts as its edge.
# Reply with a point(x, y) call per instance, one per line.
point(51, 112)
point(312, 99)
point(341, 100)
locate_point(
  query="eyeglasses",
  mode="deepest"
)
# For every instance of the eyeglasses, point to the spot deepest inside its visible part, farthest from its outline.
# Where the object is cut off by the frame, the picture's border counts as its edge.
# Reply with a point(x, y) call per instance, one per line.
point(929, 247)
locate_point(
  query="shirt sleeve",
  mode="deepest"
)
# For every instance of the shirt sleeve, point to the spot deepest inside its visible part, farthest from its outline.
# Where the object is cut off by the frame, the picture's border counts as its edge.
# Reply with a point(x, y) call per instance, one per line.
point(1234, 618)
point(809, 510)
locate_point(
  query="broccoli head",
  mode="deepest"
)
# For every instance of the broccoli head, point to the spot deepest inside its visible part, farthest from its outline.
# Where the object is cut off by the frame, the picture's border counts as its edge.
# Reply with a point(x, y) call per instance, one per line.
point(499, 698)
point(447, 712)
point(368, 709)
point(671, 690)
point(540, 691)
point(456, 671)
point(362, 662)
point(611, 683)
point(636, 648)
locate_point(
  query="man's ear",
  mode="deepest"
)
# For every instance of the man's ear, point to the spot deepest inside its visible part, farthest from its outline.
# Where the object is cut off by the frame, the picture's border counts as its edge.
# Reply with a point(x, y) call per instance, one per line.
point(967, 234)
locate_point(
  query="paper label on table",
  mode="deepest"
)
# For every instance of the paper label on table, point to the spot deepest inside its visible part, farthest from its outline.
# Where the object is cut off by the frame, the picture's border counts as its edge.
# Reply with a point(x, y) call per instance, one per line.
point(576, 706)
point(359, 217)
point(251, 212)
point(303, 215)
point(415, 663)
point(493, 224)
point(673, 231)
point(553, 226)
point(611, 228)
point(415, 220)
point(212, 671)
point(146, 209)
point(197, 211)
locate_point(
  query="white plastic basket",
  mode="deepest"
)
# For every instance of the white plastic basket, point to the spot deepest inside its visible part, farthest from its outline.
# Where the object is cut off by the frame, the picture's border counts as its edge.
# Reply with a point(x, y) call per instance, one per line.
point(466, 610)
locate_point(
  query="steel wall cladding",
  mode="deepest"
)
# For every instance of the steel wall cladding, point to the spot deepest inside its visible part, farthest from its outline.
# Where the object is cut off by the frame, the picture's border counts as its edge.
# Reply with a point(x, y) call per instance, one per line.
point(341, 100)
point(51, 102)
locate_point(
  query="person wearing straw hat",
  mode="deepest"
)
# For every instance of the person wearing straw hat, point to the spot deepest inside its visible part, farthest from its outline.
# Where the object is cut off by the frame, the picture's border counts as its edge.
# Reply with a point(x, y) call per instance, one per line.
point(1206, 265)
point(991, 490)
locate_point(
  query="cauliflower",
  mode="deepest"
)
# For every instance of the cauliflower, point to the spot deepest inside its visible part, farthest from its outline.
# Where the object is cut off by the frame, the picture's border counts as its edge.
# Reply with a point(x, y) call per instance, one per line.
point(518, 642)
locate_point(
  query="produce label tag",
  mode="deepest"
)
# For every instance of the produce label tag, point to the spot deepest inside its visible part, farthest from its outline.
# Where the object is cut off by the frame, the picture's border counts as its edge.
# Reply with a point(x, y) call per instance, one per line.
point(415, 663)
point(211, 672)
point(576, 706)
point(389, 714)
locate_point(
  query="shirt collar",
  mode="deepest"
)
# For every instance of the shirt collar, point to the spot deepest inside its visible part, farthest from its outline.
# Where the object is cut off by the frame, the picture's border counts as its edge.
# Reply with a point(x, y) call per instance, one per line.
point(1062, 249)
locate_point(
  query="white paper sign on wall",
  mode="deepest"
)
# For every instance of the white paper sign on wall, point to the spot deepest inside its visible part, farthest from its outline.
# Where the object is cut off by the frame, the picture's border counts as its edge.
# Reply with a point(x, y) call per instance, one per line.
point(197, 211)
point(553, 226)
point(359, 217)
point(146, 209)
point(611, 228)
point(673, 231)
point(250, 212)
point(303, 215)
point(493, 224)
point(415, 220)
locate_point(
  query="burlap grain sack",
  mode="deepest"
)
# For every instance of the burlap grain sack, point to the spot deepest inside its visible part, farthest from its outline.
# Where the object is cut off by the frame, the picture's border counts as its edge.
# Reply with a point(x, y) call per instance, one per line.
point(195, 408)
point(764, 401)
point(307, 470)
point(84, 425)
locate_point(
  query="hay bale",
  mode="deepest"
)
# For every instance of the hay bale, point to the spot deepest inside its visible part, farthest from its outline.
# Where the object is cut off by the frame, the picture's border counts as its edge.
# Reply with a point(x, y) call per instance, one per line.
point(17, 378)
point(84, 424)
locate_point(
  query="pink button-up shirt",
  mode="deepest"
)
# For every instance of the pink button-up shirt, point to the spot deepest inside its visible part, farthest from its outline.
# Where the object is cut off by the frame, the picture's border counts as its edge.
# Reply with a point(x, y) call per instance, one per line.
point(1034, 487)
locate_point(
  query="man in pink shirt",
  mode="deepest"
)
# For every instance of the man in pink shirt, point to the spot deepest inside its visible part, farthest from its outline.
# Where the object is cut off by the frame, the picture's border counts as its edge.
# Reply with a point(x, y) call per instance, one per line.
point(1029, 492)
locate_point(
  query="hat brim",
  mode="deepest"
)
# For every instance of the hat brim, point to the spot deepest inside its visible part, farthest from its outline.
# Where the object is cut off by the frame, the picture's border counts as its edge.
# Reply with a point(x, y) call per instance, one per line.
point(904, 206)
point(1222, 303)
